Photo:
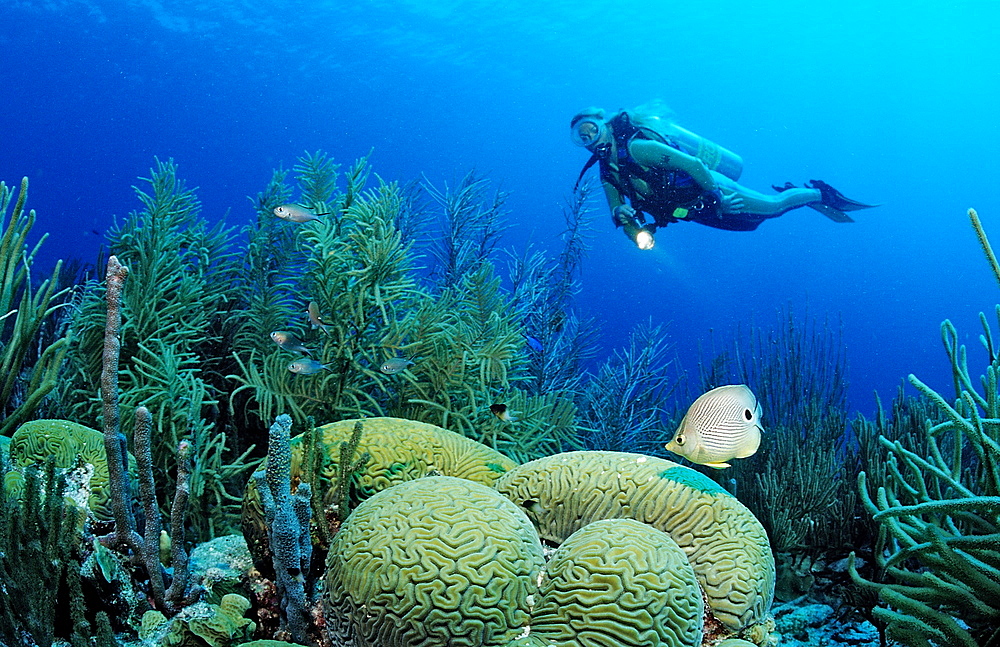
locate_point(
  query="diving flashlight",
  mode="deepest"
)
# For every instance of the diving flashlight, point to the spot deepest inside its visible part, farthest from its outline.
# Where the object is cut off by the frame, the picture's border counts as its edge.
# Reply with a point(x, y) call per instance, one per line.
point(642, 237)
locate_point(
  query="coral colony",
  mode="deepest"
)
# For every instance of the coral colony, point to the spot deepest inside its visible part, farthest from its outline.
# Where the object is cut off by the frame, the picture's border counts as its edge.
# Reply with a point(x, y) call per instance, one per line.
point(453, 464)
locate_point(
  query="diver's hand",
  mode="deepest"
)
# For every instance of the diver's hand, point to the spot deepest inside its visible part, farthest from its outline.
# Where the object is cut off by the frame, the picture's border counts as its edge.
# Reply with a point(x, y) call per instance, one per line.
point(732, 203)
point(622, 213)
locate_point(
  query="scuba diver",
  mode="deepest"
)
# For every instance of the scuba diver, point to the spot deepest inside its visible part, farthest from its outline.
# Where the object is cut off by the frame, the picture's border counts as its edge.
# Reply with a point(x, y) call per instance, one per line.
point(672, 174)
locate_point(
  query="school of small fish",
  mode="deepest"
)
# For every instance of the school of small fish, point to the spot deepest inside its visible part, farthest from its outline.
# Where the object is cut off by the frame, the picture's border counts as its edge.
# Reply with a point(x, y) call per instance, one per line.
point(720, 425)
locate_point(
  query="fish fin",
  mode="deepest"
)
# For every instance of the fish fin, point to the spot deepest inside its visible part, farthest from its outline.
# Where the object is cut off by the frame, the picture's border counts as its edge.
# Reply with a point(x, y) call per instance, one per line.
point(718, 466)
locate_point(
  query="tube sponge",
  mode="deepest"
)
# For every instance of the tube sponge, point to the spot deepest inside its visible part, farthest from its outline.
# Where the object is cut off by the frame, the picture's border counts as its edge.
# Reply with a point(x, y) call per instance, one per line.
point(435, 562)
point(725, 544)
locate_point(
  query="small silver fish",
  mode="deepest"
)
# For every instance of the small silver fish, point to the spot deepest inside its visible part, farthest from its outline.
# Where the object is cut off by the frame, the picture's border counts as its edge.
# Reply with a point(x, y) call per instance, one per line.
point(315, 320)
point(296, 213)
point(502, 412)
point(395, 365)
point(722, 424)
point(288, 341)
point(306, 367)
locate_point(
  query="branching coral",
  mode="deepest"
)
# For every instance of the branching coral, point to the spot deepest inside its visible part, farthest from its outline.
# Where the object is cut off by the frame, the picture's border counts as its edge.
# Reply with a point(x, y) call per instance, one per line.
point(558, 343)
point(41, 591)
point(24, 307)
point(798, 484)
point(466, 341)
point(173, 314)
point(625, 402)
point(940, 517)
point(939, 510)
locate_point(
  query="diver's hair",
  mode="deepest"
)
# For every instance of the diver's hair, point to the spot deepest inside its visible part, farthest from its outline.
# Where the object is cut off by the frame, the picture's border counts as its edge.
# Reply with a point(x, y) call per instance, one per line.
point(592, 111)
point(657, 109)
point(647, 115)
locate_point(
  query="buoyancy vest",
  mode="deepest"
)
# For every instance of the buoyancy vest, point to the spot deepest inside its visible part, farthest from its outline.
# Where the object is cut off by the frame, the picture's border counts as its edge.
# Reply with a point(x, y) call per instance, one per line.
point(669, 192)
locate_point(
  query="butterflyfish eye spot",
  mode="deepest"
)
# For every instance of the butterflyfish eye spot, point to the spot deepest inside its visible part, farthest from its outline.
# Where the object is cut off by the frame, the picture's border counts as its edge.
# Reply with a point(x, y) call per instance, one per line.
point(748, 414)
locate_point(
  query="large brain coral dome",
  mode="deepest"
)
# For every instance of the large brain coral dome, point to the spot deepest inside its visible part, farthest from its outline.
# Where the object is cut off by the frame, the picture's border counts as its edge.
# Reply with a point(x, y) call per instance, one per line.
point(725, 544)
point(435, 562)
point(619, 583)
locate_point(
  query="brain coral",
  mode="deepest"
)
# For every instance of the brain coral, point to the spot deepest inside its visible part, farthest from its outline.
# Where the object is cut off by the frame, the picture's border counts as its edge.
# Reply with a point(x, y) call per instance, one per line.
point(434, 562)
point(403, 450)
point(35, 441)
point(619, 583)
point(400, 450)
point(725, 544)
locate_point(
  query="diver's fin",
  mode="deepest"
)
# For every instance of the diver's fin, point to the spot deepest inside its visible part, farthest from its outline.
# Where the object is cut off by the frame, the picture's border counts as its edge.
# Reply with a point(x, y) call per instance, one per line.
point(833, 214)
point(834, 198)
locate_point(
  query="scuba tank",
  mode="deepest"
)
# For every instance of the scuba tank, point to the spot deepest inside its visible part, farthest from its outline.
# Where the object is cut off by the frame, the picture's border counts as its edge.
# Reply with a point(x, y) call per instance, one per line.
point(715, 157)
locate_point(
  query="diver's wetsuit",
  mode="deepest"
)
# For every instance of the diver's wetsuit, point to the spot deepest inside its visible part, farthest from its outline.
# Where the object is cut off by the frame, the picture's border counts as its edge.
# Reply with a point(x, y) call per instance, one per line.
point(668, 195)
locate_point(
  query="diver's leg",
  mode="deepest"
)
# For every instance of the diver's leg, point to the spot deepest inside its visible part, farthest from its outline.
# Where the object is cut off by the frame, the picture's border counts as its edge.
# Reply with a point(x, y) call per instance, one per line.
point(769, 205)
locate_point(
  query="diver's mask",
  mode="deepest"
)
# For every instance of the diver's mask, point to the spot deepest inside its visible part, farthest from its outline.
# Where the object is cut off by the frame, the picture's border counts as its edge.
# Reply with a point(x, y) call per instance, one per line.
point(587, 132)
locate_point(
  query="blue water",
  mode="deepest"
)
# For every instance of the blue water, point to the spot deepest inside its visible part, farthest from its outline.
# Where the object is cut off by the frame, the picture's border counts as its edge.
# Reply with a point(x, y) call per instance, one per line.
point(893, 103)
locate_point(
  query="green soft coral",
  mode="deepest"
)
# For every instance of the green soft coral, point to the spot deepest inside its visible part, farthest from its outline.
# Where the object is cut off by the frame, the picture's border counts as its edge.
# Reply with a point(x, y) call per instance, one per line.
point(433, 562)
point(725, 544)
point(24, 308)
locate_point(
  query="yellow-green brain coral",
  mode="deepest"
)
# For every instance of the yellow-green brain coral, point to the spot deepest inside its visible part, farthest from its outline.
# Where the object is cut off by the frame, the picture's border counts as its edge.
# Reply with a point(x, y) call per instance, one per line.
point(724, 543)
point(403, 450)
point(619, 583)
point(35, 441)
point(434, 562)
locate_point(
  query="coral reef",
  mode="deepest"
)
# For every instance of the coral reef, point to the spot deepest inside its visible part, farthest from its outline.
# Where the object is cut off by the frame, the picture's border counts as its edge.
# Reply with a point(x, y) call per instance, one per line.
point(400, 450)
point(938, 516)
point(453, 319)
point(173, 311)
point(725, 544)
point(435, 561)
point(938, 508)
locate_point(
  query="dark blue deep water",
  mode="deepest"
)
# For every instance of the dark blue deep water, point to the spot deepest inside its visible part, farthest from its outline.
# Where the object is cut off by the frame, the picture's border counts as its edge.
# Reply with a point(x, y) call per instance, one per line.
point(892, 102)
